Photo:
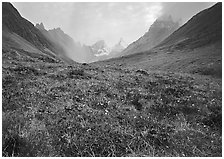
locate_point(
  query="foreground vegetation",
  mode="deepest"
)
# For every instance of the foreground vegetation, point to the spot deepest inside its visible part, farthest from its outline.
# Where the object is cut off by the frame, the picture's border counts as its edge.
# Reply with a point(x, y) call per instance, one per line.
point(50, 109)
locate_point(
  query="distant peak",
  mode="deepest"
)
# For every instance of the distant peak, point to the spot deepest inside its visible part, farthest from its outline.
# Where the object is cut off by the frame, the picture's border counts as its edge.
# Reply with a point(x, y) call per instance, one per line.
point(58, 28)
point(122, 42)
point(121, 39)
point(40, 26)
point(165, 21)
point(100, 43)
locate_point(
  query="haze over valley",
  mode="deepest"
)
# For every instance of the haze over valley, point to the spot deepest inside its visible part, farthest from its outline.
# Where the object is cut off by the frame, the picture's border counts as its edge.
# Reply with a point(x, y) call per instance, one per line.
point(88, 23)
point(112, 79)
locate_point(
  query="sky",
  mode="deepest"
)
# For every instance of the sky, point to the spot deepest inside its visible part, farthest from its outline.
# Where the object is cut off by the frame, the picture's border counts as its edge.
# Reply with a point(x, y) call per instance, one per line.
point(88, 22)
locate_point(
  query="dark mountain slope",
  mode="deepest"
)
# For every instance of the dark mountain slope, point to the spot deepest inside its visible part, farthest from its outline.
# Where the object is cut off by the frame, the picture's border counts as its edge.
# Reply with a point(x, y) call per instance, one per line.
point(14, 22)
point(14, 47)
point(157, 32)
point(50, 109)
point(203, 28)
point(63, 41)
point(195, 48)
point(14, 25)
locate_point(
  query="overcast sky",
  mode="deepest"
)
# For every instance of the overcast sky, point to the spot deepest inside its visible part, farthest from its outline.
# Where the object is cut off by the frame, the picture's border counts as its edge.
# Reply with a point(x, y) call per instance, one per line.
point(89, 22)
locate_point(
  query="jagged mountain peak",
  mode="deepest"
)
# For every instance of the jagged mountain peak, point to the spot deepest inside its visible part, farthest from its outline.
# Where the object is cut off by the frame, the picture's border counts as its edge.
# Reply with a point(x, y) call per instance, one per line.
point(202, 29)
point(165, 21)
point(13, 22)
point(58, 30)
point(158, 31)
point(40, 26)
point(122, 43)
point(121, 40)
point(100, 48)
point(120, 46)
point(99, 44)
point(24, 36)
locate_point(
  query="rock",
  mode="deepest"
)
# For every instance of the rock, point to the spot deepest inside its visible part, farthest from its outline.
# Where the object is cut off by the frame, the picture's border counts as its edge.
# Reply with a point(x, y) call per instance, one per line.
point(142, 72)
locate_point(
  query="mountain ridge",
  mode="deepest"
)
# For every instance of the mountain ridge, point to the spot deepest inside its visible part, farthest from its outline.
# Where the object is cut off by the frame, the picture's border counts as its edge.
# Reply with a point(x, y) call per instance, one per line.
point(164, 102)
point(13, 23)
point(199, 28)
point(158, 31)
point(196, 51)
point(66, 44)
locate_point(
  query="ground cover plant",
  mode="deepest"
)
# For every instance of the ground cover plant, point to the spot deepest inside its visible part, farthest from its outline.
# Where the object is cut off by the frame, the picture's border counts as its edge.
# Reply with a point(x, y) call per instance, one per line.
point(53, 109)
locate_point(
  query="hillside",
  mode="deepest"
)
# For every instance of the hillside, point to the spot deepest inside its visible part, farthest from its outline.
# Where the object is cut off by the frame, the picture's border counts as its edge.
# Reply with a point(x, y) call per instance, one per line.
point(19, 33)
point(157, 32)
point(195, 48)
point(148, 104)
point(202, 29)
point(101, 51)
point(13, 22)
point(64, 42)
point(95, 110)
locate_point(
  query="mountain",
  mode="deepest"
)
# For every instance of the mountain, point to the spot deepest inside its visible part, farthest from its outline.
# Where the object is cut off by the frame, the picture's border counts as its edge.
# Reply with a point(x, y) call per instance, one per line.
point(101, 51)
point(100, 48)
point(96, 52)
point(20, 35)
point(89, 55)
point(157, 32)
point(12, 21)
point(120, 46)
point(202, 29)
point(195, 48)
point(140, 105)
point(71, 48)
point(40, 26)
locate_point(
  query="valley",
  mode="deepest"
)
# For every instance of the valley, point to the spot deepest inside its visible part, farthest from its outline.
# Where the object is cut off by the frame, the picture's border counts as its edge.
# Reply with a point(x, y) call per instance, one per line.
point(165, 101)
point(199, 61)
point(87, 110)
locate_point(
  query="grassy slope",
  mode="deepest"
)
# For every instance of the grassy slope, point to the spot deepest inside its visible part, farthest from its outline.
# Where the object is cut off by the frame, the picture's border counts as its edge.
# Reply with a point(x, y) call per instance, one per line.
point(206, 60)
point(199, 30)
point(50, 109)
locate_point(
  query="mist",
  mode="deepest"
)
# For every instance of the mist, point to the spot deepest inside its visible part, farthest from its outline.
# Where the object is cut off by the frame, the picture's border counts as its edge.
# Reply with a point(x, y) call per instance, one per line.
point(90, 22)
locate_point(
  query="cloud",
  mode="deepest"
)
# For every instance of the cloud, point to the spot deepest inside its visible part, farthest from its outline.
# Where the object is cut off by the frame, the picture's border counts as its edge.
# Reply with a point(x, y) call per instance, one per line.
point(53, 15)
point(153, 12)
point(184, 10)
point(88, 22)
point(110, 21)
